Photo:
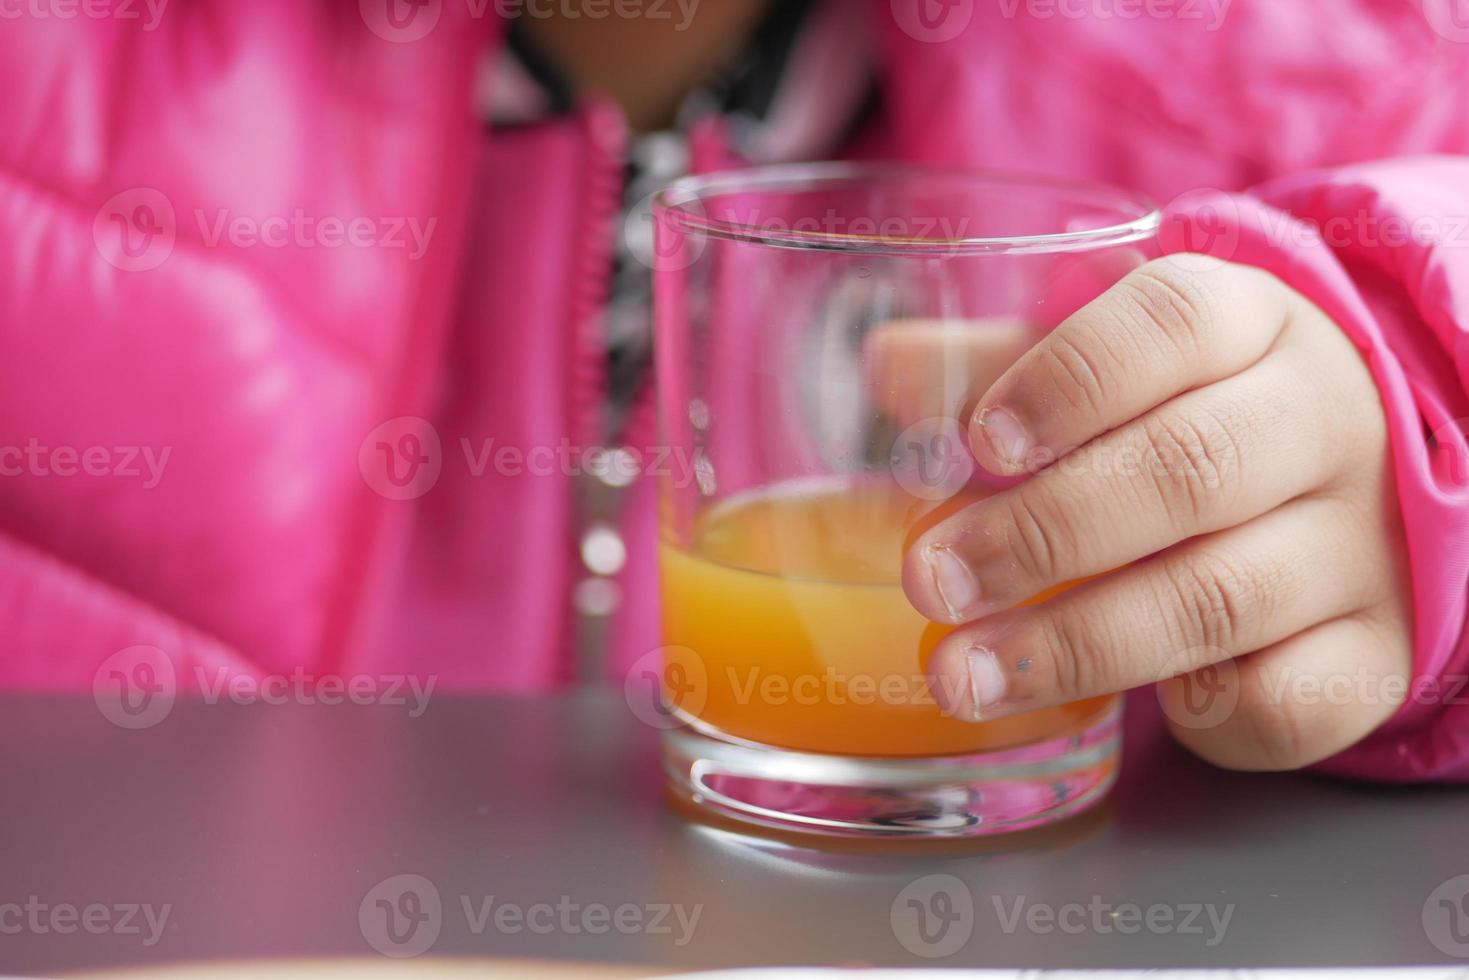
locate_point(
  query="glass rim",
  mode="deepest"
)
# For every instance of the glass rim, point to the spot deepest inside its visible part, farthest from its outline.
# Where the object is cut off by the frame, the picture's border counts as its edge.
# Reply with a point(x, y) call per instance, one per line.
point(672, 204)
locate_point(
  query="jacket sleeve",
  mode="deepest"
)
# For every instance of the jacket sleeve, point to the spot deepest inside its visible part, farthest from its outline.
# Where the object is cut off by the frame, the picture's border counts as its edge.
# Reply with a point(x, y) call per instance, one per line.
point(1383, 248)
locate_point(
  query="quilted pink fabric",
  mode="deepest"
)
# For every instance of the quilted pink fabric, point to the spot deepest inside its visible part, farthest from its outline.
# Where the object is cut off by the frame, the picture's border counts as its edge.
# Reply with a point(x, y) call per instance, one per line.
point(284, 414)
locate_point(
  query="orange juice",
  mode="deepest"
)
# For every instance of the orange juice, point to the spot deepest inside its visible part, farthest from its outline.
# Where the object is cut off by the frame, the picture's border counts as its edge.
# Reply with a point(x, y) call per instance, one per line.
point(792, 605)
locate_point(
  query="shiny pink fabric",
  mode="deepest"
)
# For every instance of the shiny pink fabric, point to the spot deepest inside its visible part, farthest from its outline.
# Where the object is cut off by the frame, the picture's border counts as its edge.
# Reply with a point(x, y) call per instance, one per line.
point(258, 369)
point(486, 578)
point(270, 543)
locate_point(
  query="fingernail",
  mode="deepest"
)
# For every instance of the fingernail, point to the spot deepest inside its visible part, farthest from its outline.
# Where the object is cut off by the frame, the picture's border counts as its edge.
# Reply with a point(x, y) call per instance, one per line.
point(1006, 436)
point(986, 680)
point(956, 584)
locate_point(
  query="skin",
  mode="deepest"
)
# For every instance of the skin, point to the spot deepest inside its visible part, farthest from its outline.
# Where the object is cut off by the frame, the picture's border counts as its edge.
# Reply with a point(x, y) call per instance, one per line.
point(649, 63)
point(1266, 503)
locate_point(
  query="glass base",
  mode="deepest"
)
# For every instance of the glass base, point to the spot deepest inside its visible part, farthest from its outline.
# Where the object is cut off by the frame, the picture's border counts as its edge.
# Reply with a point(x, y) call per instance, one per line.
point(951, 796)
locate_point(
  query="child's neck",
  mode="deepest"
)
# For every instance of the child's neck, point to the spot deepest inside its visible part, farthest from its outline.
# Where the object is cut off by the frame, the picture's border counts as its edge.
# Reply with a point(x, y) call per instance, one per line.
point(647, 63)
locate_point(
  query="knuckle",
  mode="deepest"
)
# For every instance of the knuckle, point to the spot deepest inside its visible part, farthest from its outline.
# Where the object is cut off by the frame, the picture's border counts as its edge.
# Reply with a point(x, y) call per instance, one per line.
point(1197, 460)
point(1079, 664)
point(1080, 374)
point(1359, 527)
point(1280, 734)
point(1172, 305)
point(1040, 536)
point(1212, 599)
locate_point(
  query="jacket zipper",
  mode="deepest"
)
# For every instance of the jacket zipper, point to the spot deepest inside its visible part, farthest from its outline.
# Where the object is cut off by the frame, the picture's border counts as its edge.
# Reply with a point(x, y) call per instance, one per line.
point(599, 507)
point(606, 141)
point(605, 137)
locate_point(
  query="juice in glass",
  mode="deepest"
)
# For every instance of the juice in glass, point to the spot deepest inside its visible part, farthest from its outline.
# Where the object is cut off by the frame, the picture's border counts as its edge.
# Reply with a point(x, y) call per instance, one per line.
point(790, 599)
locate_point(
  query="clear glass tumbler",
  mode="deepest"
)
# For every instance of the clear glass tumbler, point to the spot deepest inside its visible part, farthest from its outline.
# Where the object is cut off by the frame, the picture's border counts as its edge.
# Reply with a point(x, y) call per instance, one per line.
point(822, 332)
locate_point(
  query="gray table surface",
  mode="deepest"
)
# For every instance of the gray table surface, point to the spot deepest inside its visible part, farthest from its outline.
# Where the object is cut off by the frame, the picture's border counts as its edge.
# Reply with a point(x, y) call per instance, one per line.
point(264, 828)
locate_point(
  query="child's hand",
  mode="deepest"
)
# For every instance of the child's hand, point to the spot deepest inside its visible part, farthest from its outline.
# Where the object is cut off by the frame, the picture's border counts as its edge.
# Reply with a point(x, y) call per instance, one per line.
point(1219, 415)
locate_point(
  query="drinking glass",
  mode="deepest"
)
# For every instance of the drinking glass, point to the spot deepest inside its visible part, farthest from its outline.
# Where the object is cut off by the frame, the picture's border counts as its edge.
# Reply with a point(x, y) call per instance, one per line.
point(823, 332)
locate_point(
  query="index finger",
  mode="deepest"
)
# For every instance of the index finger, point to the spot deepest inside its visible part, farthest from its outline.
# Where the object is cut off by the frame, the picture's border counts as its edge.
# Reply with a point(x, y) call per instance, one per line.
point(1159, 332)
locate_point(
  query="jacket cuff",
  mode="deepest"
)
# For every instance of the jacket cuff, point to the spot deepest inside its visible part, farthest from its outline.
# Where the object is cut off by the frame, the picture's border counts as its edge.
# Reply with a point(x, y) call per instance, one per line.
point(1383, 248)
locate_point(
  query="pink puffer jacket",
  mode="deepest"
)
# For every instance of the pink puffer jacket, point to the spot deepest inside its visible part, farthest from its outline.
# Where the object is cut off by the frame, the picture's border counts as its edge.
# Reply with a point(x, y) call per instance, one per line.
point(268, 287)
